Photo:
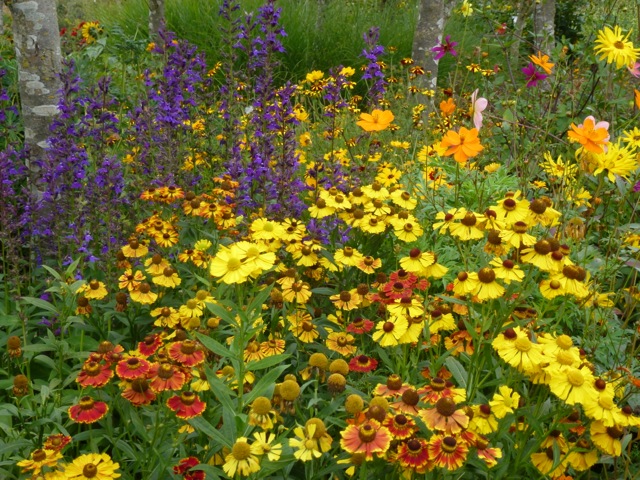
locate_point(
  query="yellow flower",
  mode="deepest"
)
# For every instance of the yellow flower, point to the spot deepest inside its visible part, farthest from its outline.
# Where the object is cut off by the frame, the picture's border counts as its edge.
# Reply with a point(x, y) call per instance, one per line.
point(38, 459)
point(243, 459)
point(542, 61)
point(466, 9)
point(615, 47)
point(504, 402)
point(94, 290)
point(228, 264)
point(388, 332)
point(92, 466)
point(376, 121)
point(573, 385)
point(617, 160)
point(267, 442)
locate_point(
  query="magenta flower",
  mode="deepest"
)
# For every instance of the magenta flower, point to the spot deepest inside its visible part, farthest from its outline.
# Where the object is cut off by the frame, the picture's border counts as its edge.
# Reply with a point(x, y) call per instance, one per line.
point(636, 187)
point(445, 47)
point(533, 75)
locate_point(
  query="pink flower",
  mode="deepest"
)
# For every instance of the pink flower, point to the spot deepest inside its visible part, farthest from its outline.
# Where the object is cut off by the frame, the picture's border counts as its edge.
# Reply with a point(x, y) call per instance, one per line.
point(445, 47)
point(533, 75)
point(635, 70)
point(478, 105)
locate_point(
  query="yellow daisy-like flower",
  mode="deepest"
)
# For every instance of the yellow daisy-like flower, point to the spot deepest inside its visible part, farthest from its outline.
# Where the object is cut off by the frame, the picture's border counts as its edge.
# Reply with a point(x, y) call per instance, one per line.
point(243, 459)
point(98, 466)
point(388, 332)
point(573, 385)
point(267, 442)
point(559, 168)
point(488, 287)
point(38, 459)
point(228, 265)
point(265, 229)
point(632, 137)
point(507, 271)
point(94, 290)
point(617, 160)
point(607, 439)
point(613, 46)
point(515, 348)
point(504, 402)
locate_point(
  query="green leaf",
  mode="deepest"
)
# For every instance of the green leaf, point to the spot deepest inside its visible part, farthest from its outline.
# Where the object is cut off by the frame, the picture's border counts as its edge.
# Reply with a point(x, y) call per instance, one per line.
point(255, 307)
point(267, 362)
point(223, 313)
point(38, 302)
point(457, 370)
point(210, 431)
point(323, 291)
point(215, 346)
point(264, 387)
point(220, 389)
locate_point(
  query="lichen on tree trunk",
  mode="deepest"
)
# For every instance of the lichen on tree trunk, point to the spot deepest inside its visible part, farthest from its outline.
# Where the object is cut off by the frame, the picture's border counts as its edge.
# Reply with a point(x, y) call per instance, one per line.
point(156, 17)
point(37, 44)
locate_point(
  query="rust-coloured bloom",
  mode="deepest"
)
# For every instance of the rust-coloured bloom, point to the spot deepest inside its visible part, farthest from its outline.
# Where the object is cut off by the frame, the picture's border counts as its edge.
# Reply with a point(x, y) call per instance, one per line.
point(14, 346)
point(187, 353)
point(414, 454)
point(164, 376)
point(185, 466)
point(132, 367)
point(400, 426)
point(369, 437)
point(150, 344)
point(462, 145)
point(94, 374)
point(56, 442)
point(186, 405)
point(447, 452)
point(88, 410)
point(138, 392)
point(445, 417)
point(363, 363)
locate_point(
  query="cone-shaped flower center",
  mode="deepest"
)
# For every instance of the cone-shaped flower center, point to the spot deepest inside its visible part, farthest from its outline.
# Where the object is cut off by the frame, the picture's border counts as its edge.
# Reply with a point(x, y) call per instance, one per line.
point(446, 406)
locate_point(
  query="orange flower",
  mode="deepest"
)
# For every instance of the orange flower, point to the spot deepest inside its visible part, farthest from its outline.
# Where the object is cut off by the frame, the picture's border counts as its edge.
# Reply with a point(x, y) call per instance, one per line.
point(637, 97)
point(376, 121)
point(589, 135)
point(88, 410)
point(447, 107)
point(369, 438)
point(542, 61)
point(186, 405)
point(463, 145)
point(95, 375)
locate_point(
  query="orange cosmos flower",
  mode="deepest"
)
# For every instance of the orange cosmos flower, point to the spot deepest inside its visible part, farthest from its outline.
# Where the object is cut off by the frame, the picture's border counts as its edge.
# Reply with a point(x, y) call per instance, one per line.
point(447, 107)
point(543, 62)
point(370, 437)
point(591, 135)
point(462, 145)
point(186, 405)
point(94, 375)
point(88, 410)
point(636, 94)
point(377, 121)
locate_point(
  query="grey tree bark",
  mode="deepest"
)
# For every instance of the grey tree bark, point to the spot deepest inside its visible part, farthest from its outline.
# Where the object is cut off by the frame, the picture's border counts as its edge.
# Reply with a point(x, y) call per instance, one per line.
point(432, 16)
point(156, 17)
point(37, 43)
point(524, 11)
point(544, 25)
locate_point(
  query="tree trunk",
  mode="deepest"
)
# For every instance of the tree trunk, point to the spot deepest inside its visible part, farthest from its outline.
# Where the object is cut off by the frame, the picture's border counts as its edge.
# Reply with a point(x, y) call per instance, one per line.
point(432, 18)
point(37, 43)
point(428, 34)
point(544, 25)
point(156, 17)
point(524, 11)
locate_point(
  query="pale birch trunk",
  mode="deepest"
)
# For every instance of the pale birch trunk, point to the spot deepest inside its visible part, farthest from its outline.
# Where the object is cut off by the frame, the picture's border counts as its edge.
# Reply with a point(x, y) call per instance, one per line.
point(524, 12)
point(156, 17)
point(428, 34)
point(37, 44)
point(544, 26)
